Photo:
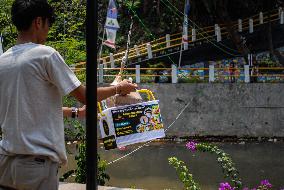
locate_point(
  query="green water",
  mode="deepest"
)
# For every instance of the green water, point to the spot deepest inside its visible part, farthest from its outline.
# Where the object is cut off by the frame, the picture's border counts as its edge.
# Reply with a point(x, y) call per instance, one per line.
point(148, 168)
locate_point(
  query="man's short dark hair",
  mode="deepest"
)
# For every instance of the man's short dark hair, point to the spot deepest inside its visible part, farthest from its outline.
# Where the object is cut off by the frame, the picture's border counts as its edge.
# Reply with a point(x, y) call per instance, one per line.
point(25, 11)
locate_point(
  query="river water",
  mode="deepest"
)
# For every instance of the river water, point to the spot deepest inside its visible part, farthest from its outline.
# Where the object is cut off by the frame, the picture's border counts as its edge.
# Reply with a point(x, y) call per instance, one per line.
point(148, 168)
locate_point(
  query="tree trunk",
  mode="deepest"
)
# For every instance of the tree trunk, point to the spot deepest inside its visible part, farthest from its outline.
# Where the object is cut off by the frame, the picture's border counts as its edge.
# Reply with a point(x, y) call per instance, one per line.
point(158, 8)
point(145, 6)
point(274, 54)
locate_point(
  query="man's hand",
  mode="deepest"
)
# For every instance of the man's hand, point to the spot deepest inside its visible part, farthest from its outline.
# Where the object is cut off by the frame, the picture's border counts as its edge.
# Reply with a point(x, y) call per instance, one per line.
point(125, 87)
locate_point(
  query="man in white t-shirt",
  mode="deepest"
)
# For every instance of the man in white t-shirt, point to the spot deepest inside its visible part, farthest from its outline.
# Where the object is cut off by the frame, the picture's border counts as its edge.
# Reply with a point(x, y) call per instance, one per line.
point(33, 79)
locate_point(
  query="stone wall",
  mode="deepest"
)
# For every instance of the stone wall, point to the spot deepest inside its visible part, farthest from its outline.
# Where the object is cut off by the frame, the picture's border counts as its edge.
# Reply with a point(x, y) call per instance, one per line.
point(222, 109)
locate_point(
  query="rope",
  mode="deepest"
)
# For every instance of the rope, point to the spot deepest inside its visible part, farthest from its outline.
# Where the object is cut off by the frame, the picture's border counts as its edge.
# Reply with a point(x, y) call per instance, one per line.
point(101, 48)
point(135, 150)
point(125, 58)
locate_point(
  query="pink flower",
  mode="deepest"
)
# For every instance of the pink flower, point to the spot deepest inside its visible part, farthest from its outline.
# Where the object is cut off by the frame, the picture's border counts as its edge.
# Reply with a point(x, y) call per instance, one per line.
point(191, 145)
point(266, 183)
point(225, 186)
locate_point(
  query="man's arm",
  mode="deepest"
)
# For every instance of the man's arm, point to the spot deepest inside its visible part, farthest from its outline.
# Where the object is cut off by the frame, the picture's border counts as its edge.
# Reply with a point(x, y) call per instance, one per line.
point(105, 92)
point(80, 95)
point(123, 88)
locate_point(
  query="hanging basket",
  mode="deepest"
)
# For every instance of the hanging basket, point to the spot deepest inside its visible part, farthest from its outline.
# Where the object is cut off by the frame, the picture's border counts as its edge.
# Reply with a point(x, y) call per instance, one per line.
point(130, 124)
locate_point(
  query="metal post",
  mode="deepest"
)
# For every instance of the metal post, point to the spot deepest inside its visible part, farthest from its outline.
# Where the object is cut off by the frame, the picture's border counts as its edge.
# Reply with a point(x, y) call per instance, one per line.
point(174, 74)
point(260, 18)
point(247, 77)
point(193, 31)
point(219, 34)
point(91, 95)
point(168, 40)
point(1, 45)
point(282, 17)
point(250, 25)
point(240, 25)
point(185, 38)
point(111, 58)
point(216, 29)
point(137, 74)
point(250, 59)
point(149, 50)
point(104, 63)
point(211, 73)
point(137, 50)
point(101, 73)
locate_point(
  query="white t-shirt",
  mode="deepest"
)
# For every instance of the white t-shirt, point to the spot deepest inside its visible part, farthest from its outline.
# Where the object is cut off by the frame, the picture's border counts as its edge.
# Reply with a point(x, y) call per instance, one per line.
point(33, 79)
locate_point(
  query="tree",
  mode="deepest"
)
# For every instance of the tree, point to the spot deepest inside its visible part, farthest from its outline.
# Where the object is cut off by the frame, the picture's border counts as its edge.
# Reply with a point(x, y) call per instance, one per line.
point(6, 27)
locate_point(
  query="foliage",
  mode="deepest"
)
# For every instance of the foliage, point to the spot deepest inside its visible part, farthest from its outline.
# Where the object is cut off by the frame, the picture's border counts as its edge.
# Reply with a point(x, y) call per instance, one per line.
point(228, 167)
point(68, 32)
point(223, 159)
point(183, 173)
point(264, 185)
point(72, 50)
point(267, 62)
point(6, 27)
point(81, 170)
point(76, 130)
point(70, 20)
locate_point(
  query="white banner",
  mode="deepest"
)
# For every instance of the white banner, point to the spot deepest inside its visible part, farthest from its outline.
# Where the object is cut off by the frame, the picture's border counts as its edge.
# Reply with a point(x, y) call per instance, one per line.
point(111, 25)
point(111, 35)
point(185, 25)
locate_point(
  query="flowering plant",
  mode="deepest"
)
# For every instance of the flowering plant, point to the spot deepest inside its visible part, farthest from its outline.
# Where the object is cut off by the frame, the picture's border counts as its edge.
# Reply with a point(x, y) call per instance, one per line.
point(184, 175)
point(225, 186)
point(264, 185)
point(228, 168)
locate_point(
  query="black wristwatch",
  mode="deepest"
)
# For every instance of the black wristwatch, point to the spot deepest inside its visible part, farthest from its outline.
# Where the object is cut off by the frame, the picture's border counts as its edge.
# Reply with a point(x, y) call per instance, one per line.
point(74, 112)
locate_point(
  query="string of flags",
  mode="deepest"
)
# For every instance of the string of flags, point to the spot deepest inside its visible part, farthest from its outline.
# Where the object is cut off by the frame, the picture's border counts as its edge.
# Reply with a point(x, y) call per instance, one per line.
point(111, 25)
point(185, 22)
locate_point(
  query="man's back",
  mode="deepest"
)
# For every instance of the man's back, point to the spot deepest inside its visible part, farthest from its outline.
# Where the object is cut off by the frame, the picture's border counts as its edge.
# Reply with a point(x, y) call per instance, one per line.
point(33, 79)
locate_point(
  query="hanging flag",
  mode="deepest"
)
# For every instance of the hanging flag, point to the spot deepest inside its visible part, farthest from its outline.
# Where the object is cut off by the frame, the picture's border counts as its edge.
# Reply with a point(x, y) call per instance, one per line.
point(185, 25)
point(1, 46)
point(187, 8)
point(111, 25)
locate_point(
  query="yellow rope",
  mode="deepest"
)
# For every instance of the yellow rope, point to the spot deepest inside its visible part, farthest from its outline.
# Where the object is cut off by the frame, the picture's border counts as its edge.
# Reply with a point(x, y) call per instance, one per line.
point(100, 109)
point(148, 92)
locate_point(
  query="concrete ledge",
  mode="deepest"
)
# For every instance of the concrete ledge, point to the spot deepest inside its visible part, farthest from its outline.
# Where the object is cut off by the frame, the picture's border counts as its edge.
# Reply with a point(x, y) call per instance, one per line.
point(75, 186)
